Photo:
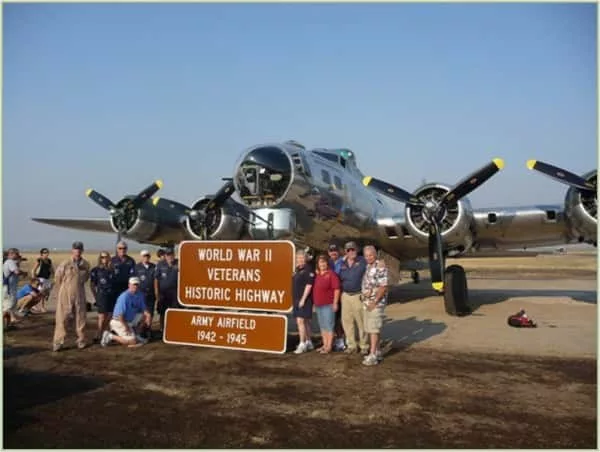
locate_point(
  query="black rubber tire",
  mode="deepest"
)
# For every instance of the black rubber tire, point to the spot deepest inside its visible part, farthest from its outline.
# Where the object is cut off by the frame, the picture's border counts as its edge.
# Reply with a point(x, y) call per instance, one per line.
point(456, 293)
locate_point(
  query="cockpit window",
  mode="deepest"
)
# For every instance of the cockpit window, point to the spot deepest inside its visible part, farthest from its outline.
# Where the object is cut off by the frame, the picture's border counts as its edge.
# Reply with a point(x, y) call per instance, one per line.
point(328, 156)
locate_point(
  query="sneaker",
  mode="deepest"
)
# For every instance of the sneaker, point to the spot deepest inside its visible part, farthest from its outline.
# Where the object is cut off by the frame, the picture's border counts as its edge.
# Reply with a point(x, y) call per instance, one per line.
point(339, 345)
point(351, 350)
point(57, 347)
point(106, 338)
point(301, 348)
point(364, 351)
point(370, 360)
point(81, 345)
point(309, 346)
point(140, 339)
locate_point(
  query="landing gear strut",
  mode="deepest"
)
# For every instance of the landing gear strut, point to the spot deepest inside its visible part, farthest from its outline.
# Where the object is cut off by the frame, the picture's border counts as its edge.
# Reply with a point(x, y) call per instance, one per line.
point(456, 293)
point(415, 276)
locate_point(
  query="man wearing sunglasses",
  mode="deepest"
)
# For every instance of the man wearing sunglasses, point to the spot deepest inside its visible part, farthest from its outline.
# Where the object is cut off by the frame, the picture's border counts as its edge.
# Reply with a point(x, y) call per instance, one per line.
point(124, 268)
point(351, 276)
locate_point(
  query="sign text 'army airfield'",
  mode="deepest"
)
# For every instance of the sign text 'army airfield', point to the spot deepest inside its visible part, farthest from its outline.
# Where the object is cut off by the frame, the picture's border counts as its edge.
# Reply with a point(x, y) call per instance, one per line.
point(249, 275)
point(224, 329)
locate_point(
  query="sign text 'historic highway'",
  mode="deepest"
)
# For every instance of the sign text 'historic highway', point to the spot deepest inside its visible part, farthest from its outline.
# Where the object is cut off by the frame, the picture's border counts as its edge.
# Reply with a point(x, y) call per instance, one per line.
point(252, 275)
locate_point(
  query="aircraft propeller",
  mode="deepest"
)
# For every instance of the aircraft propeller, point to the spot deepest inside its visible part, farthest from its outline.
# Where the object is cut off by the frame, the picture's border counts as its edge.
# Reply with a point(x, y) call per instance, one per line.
point(561, 175)
point(434, 210)
point(124, 213)
point(199, 218)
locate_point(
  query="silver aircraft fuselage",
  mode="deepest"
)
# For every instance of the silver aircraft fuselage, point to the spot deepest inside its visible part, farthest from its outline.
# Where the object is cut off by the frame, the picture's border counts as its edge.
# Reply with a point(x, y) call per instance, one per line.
point(315, 196)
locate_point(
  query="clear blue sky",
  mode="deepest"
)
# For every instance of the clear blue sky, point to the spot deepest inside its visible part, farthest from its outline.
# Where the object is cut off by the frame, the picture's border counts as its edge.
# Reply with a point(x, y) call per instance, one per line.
point(112, 96)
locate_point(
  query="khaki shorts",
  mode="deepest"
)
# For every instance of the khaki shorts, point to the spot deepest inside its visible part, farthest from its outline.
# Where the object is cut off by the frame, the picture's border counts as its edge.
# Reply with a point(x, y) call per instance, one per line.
point(119, 329)
point(374, 320)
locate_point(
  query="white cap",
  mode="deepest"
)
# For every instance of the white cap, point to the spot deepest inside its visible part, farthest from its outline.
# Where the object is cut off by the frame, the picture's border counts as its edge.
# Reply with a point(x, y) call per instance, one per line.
point(145, 253)
point(134, 280)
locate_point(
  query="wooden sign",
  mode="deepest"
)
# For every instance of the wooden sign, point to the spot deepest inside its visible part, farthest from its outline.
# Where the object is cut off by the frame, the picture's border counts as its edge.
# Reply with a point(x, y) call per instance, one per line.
point(240, 274)
point(226, 329)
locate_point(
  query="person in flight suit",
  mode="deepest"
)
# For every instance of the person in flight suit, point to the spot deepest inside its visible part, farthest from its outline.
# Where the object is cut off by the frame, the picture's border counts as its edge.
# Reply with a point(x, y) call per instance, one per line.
point(124, 267)
point(71, 276)
point(146, 272)
point(103, 287)
point(165, 286)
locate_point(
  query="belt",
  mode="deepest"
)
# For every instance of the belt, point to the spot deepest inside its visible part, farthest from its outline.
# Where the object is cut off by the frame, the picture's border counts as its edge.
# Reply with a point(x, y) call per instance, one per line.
point(352, 293)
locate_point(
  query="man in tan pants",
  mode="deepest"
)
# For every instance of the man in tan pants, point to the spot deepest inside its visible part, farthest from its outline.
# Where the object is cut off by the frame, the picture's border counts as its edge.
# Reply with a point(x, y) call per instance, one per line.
point(70, 278)
point(351, 276)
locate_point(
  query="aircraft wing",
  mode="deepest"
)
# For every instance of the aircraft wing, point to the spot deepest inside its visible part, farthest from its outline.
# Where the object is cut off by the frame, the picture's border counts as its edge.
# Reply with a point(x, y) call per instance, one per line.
point(84, 224)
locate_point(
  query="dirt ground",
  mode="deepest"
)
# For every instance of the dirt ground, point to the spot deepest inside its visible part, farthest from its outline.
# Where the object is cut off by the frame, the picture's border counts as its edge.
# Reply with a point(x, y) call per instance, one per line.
point(448, 382)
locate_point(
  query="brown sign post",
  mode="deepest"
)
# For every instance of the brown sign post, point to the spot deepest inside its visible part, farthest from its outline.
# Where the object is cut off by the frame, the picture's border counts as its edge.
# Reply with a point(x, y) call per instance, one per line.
point(226, 329)
point(249, 275)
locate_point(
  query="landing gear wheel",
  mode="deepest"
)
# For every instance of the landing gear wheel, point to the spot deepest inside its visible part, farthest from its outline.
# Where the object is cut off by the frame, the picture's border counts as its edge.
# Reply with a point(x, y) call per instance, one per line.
point(456, 293)
point(415, 277)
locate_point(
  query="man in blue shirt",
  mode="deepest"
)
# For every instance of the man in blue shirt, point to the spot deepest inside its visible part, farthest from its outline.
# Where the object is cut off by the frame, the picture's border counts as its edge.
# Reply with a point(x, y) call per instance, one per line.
point(351, 276)
point(28, 296)
point(123, 266)
point(127, 317)
point(165, 285)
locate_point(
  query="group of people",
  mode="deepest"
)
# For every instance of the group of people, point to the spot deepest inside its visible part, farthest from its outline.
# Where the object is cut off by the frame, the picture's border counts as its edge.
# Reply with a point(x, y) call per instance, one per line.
point(126, 293)
point(348, 295)
point(32, 296)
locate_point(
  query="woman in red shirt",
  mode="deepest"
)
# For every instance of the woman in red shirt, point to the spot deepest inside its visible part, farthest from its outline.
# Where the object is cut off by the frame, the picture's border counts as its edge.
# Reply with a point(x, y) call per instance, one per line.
point(326, 297)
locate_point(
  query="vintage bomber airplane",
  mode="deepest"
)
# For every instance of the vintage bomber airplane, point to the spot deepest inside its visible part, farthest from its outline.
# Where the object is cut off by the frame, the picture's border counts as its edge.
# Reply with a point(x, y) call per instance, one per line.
point(313, 196)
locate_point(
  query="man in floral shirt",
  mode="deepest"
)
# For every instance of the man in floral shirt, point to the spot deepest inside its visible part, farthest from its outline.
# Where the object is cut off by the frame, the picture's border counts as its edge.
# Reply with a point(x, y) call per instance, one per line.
point(374, 288)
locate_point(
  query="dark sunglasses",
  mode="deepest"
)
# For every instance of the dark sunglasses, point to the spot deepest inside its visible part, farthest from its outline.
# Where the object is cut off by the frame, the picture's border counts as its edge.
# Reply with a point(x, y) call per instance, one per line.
point(122, 248)
point(350, 249)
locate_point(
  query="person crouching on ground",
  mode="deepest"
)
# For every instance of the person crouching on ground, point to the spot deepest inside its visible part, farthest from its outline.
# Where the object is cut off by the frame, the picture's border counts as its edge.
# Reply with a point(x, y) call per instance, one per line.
point(28, 296)
point(303, 281)
point(326, 298)
point(102, 283)
point(127, 317)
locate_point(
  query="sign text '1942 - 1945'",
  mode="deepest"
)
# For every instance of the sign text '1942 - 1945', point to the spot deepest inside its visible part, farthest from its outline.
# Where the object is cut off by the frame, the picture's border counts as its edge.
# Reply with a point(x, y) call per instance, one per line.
point(225, 329)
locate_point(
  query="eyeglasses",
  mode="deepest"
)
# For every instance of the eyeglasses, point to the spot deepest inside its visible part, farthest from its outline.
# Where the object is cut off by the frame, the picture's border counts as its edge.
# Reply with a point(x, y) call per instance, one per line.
point(350, 249)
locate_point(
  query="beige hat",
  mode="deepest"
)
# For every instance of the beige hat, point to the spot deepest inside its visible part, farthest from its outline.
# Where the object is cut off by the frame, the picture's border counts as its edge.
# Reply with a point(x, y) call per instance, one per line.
point(144, 253)
point(134, 280)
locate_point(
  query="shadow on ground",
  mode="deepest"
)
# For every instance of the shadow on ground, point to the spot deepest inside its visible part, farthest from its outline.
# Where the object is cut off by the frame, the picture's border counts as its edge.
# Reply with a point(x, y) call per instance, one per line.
point(408, 292)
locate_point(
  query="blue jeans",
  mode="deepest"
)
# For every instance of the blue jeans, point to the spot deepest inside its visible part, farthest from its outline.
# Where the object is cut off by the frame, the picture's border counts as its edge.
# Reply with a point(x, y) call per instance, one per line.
point(326, 317)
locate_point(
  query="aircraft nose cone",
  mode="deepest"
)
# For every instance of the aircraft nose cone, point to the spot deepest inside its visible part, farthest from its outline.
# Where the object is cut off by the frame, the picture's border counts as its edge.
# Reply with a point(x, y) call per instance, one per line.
point(263, 176)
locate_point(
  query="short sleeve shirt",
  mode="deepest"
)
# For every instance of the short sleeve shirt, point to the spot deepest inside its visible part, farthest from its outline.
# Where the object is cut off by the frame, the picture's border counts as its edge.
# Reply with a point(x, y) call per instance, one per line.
point(303, 277)
point(376, 276)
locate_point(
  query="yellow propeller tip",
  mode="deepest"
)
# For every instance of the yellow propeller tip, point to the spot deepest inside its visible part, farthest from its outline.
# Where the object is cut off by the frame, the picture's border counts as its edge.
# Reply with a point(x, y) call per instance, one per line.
point(88, 192)
point(366, 181)
point(438, 286)
point(531, 164)
point(159, 183)
point(155, 201)
point(499, 163)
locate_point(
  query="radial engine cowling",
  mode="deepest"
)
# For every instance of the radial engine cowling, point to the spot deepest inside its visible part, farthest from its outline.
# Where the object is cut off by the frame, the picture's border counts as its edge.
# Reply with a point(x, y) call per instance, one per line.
point(137, 224)
point(581, 211)
point(223, 223)
point(457, 220)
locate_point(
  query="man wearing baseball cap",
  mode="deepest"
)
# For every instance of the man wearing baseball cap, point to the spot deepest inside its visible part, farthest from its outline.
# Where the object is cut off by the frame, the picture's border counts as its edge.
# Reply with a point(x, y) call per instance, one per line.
point(70, 278)
point(165, 285)
point(127, 316)
point(146, 271)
